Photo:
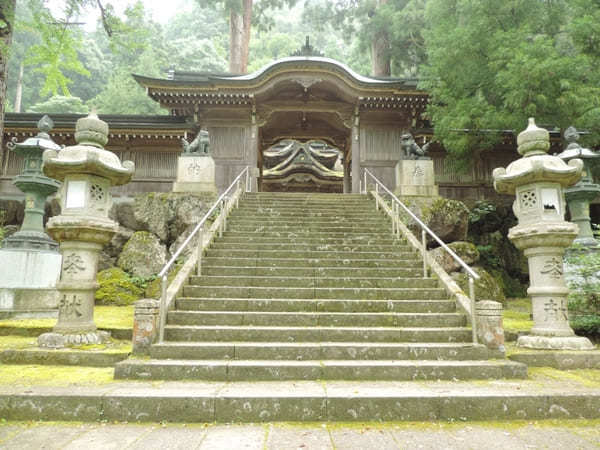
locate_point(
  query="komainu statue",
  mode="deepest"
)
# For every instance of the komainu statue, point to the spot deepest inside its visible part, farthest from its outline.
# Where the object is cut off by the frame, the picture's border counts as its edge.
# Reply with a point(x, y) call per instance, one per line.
point(200, 146)
point(411, 150)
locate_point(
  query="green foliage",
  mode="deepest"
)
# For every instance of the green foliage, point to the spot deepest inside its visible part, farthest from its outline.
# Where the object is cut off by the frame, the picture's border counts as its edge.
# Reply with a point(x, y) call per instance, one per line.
point(493, 64)
point(117, 288)
point(60, 104)
point(584, 296)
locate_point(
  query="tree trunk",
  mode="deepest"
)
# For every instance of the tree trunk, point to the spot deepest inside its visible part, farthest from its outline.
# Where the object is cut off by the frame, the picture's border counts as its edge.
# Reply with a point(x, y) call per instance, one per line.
point(380, 55)
point(7, 15)
point(380, 51)
point(239, 38)
point(19, 90)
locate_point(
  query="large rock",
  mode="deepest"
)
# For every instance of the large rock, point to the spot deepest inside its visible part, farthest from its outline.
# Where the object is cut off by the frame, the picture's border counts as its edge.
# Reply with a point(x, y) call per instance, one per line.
point(486, 288)
point(118, 241)
point(448, 219)
point(143, 255)
point(191, 247)
point(465, 250)
point(167, 215)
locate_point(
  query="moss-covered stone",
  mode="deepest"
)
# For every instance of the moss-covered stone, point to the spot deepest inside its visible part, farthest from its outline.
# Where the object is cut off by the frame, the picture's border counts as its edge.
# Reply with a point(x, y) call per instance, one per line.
point(116, 288)
point(465, 250)
point(143, 255)
point(486, 288)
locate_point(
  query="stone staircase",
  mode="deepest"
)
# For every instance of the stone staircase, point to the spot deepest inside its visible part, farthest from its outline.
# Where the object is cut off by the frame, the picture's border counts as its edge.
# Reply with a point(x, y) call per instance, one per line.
point(314, 287)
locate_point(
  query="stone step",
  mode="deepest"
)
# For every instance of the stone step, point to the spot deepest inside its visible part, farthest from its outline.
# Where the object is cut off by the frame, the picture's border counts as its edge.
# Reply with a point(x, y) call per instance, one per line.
point(308, 282)
point(412, 293)
point(312, 272)
point(310, 254)
point(314, 319)
point(189, 333)
point(287, 305)
point(210, 261)
point(309, 401)
point(383, 239)
point(242, 219)
point(266, 370)
point(305, 229)
point(312, 247)
point(302, 351)
point(365, 235)
point(319, 214)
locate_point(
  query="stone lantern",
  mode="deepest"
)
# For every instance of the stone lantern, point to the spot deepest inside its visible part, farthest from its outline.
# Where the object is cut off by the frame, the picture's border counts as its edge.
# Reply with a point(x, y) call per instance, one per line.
point(30, 259)
point(537, 179)
point(87, 171)
point(579, 196)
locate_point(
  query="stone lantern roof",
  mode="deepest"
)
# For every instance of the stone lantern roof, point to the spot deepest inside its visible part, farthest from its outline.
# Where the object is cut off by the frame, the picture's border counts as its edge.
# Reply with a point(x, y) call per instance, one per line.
point(536, 165)
point(89, 155)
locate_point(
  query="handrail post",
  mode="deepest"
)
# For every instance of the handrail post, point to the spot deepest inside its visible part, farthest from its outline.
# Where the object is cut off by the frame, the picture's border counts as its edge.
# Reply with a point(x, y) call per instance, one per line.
point(365, 181)
point(222, 224)
point(163, 308)
point(237, 197)
point(424, 252)
point(473, 318)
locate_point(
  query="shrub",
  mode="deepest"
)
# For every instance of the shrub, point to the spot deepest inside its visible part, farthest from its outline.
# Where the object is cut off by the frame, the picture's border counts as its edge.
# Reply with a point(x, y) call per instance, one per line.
point(584, 298)
point(117, 288)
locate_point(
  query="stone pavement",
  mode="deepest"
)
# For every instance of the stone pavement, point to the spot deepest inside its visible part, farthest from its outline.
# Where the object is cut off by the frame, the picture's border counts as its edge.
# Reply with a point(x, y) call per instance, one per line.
point(503, 435)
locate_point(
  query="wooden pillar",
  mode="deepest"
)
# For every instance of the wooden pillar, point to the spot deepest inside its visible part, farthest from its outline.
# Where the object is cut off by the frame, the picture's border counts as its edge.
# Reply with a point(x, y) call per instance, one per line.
point(355, 149)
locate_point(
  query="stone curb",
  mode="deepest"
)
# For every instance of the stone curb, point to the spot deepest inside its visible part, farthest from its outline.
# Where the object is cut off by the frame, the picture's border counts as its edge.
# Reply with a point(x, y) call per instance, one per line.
point(62, 358)
point(563, 360)
point(300, 401)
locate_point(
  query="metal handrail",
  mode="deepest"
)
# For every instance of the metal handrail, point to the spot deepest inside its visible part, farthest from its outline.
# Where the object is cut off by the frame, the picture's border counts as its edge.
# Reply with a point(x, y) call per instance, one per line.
point(221, 201)
point(396, 202)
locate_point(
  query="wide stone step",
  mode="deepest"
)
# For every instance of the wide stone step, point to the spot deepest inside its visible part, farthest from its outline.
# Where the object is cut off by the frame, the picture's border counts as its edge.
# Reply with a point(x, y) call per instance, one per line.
point(210, 261)
point(302, 351)
point(316, 293)
point(304, 229)
point(312, 272)
point(310, 254)
point(315, 282)
point(319, 214)
point(302, 220)
point(189, 333)
point(314, 319)
point(287, 305)
point(238, 370)
point(301, 247)
point(365, 235)
point(351, 239)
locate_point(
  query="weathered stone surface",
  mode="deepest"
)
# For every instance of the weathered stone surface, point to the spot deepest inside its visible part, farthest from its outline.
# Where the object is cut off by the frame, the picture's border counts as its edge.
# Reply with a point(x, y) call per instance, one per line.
point(191, 247)
point(486, 287)
point(145, 325)
point(490, 330)
point(105, 261)
point(143, 255)
point(465, 250)
point(166, 215)
point(116, 288)
point(118, 241)
point(449, 219)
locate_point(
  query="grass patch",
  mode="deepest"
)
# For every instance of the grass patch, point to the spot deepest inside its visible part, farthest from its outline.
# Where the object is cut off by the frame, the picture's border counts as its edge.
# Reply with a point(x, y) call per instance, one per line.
point(17, 342)
point(36, 375)
point(517, 315)
point(104, 316)
point(30, 343)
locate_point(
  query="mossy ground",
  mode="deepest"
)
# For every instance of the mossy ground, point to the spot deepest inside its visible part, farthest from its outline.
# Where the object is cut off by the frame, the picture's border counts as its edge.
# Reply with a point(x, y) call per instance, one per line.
point(104, 316)
point(517, 315)
point(55, 376)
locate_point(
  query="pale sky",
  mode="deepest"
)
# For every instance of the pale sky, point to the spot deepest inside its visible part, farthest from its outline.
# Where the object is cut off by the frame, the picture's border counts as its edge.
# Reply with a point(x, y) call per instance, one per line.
point(161, 10)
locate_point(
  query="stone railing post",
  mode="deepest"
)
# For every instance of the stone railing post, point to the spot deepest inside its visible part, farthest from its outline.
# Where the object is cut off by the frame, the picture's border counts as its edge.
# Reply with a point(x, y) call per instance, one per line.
point(145, 325)
point(490, 330)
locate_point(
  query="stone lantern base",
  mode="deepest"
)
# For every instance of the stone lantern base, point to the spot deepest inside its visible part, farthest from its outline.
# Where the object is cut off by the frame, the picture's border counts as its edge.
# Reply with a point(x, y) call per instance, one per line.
point(59, 340)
